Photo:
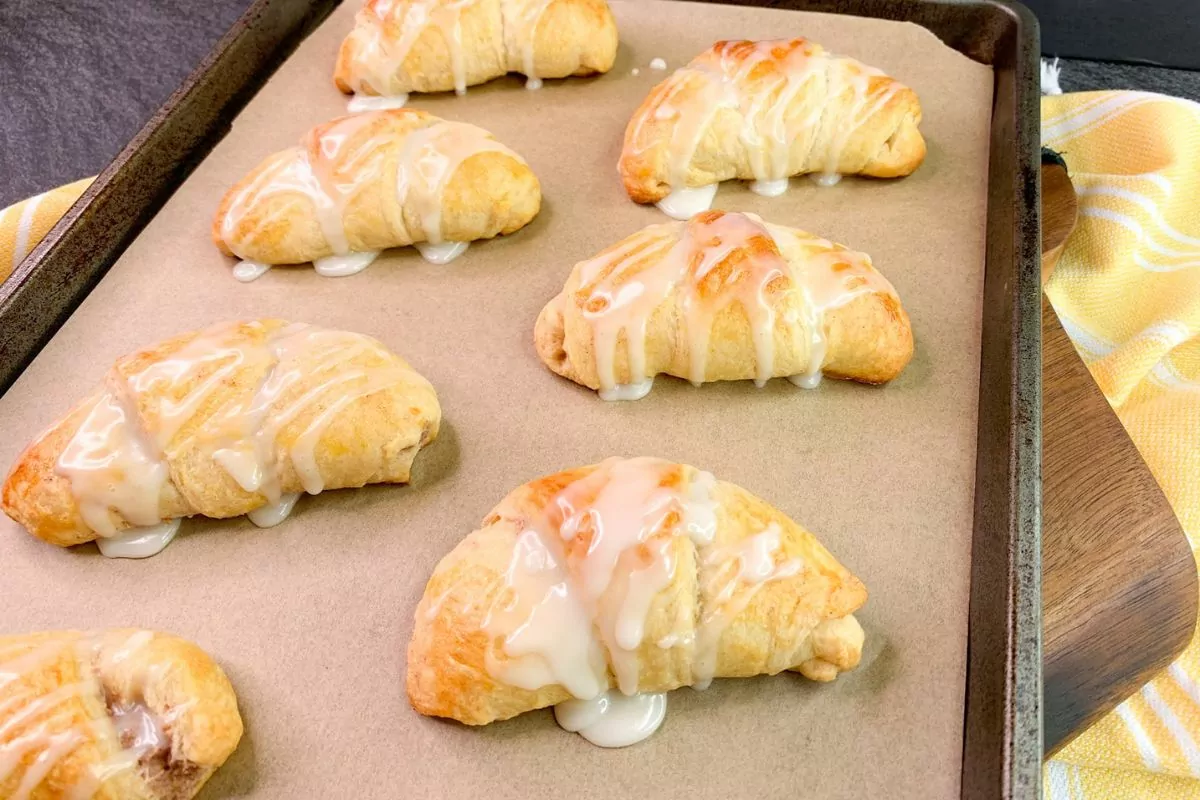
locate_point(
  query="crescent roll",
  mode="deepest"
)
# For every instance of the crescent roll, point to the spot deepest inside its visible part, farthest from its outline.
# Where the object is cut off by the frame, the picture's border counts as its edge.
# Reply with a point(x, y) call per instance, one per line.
point(111, 715)
point(723, 296)
point(402, 46)
point(236, 419)
point(638, 575)
point(764, 111)
point(366, 182)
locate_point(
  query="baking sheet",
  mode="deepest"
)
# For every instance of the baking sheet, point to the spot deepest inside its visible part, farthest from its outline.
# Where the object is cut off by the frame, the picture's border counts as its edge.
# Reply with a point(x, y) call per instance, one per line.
point(311, 619)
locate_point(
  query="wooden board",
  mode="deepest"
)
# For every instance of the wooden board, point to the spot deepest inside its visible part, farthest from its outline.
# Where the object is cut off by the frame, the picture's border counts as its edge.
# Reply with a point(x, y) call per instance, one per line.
point(1119, 583)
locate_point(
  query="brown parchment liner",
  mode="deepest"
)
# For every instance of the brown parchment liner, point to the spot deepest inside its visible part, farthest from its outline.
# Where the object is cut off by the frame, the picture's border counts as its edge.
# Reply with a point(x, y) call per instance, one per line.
point(312, 619)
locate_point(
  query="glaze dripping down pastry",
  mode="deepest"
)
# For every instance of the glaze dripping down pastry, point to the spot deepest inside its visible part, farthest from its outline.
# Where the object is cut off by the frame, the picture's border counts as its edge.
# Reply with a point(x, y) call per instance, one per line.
point(600, 587)
point(723, 296)
point(236, 419)
point(403, 46)
point(111, 714)
point(765, 111)
point(366, 182)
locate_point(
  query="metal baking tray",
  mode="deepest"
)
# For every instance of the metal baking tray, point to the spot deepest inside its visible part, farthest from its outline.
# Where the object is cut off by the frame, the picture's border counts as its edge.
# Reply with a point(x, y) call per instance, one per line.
point(1002, 745)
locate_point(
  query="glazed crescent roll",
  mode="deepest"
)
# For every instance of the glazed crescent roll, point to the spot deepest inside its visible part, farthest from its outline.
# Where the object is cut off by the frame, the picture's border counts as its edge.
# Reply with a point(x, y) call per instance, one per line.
point(636, 575)
point(366, 182)
point(723, 296)
point(764, 111)
point(111, 715)
point(402, 46)
point(236, 419)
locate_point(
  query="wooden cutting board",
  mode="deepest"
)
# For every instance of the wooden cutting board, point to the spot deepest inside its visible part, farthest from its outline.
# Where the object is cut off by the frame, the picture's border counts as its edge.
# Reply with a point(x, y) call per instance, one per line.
point(1119, 583)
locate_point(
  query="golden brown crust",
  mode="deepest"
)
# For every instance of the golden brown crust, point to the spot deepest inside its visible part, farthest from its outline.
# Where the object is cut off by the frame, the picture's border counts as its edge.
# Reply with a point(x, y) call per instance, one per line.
point(372, 439)
point(885, 143)
point(573, 37)
point(803, 622)
point(869, 339)
point(71, 688)
point(492, 192)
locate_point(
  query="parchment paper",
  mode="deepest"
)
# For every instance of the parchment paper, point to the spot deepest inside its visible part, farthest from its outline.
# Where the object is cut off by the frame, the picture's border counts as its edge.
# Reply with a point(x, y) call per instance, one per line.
point(312, 619)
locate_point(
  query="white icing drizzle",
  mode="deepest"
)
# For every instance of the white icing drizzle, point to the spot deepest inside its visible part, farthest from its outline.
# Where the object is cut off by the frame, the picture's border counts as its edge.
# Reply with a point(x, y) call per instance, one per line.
point(658, 63)
point(243, 436)
point(521, 18)
point(584, 574)
point(808, 380)
point(613, 719)
point(626, 283)
point(546, 631)
point(611, 311)
point(335, 162)
point(380, 57)
point(769, 188)
point(113, 465)
point(736, 573)
point(34, 721)
point(272, 514)
point(583, 578)
point(246, 271)
point(136, 724)
point(312, 170)
point(626, 287)
point(53, 748)
point(348, 264)
point(828, 277)
point(367, 102)
point(627, 391)
point(442, 252)
point(761, 81)
point(691, 120)
point(285, 171)
point(139, 542)
point(328, 156)
point(431, 157)
point(677, 639)
point(685, 202)
point(130, 647)
point(848, 75)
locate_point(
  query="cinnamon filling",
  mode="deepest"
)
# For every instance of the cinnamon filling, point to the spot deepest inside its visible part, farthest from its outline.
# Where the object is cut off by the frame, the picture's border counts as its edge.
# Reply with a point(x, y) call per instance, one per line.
point(145, 735)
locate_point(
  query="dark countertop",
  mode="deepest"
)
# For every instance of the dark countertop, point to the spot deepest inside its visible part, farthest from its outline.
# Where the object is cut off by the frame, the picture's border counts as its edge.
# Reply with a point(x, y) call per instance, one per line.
point(1085, 76)
point(1162, 32)
point(79, 78)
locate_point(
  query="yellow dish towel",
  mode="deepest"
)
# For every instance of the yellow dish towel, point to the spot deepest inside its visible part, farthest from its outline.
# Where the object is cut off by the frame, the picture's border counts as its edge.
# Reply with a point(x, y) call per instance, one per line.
point(1128, 292)
point(23, 224)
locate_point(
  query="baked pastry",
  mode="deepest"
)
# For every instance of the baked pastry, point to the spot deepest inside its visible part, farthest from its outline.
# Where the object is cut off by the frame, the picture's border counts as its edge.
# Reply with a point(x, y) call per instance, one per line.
point(764, 111)
point(402, 46)
point(366, 182)
point(639, 575)
point(723, 296)
point(111, 715)
point(235, 419)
